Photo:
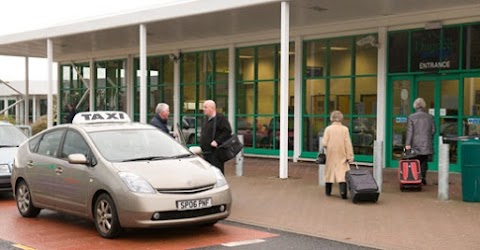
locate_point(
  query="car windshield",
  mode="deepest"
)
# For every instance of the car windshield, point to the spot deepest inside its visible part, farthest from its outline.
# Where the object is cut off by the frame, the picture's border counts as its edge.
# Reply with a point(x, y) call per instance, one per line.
point(10, 136)
point(137, 145)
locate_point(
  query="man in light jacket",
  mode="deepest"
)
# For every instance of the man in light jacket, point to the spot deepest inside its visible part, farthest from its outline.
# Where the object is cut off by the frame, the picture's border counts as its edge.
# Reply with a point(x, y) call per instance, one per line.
point(420, 131)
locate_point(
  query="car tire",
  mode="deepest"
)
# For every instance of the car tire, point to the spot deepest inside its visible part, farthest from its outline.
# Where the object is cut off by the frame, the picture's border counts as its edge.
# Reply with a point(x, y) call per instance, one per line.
point(24, 201)
point(106, 217)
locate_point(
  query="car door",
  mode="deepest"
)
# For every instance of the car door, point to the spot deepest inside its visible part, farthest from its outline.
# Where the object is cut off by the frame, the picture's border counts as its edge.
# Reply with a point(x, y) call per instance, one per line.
point(42, 167)
point(73, 179)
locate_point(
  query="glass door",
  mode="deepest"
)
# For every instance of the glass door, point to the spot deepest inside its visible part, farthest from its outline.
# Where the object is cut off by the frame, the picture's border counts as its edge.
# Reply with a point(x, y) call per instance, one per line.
point(442, 96)
point(443, 99)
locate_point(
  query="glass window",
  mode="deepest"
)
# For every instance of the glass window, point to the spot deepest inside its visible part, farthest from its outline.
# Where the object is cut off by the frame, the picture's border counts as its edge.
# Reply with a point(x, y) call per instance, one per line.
point(110, 85)
point(266, 100)
point(204, 76)
point(366, 95)
point(159, 85)
point(471, 96)
point(450, 94)
point(75, 83)
point(313, 132)
point(450, 51)
point(246, 64)
point(125, 145)
point(398, 52)
point(366, 56)
point(401, 97)
point(315, 97)
point(340, 95)
point(74, 144)
point(471, 54)
point(340, 57)
point(267, 56)
point(315, 59)
point(49, 144)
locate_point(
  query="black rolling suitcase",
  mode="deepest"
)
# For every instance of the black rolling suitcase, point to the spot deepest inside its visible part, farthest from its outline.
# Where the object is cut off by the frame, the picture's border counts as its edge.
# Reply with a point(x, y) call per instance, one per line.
point(362, 185)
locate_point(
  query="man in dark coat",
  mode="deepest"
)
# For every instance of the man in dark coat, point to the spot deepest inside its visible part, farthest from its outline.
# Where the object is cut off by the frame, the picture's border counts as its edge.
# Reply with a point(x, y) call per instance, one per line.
point(420, 131)
point(71, 113)
point(160, 120)
point(215, 130)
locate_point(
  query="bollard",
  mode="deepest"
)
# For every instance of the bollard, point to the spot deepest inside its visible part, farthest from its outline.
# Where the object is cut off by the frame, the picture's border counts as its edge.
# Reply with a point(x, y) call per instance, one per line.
point(378, 163)
point(321, 167)
point(239, 159)
point(443, 164)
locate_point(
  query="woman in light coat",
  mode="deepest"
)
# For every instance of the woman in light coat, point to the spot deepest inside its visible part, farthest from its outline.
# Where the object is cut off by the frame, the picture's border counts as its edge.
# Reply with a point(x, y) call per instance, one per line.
point(338, 148)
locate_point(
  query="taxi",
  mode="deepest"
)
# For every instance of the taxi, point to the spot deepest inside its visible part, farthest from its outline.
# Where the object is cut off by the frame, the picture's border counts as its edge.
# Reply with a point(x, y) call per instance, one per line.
point(118, 173)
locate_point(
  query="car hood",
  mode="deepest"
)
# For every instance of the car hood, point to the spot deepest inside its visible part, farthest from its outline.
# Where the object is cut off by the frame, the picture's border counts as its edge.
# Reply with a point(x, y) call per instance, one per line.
point(172, 174)
point(7, 154)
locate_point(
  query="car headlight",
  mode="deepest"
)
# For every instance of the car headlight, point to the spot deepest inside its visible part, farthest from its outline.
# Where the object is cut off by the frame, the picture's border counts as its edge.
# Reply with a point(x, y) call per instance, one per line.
point(4, 168)
point(136, 183)
point(221, 181)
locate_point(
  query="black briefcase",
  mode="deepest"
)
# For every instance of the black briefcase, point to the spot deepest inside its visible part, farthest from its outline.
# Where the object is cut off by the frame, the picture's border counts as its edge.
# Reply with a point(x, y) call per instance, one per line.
point(229, 149)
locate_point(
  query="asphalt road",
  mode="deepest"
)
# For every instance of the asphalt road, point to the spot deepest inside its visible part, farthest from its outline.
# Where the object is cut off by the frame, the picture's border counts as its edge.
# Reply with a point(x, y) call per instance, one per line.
point(52, 230)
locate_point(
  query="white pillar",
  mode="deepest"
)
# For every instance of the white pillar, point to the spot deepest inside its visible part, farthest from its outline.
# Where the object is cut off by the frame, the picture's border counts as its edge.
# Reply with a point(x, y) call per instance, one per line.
point(284, 40)
point(50, 84)
point(231, 84)
point(91, 85)
point(34, 109)
point(143, 73)
point(239, 159)
point(176, 93)
point(26, 97)
point(443, 164)
point(130, 76)
point(297, 139)
point(378, 163)
point(321, 167)
point(381, 87)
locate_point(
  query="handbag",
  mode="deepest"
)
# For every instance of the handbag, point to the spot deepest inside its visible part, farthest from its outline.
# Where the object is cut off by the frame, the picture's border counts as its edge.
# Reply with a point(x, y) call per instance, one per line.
point(229, 149)
point(409, 154)
point(321, 158)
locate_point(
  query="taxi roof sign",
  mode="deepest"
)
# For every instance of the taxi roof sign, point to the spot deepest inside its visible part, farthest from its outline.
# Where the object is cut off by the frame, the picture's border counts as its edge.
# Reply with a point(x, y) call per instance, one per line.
point(96, 117)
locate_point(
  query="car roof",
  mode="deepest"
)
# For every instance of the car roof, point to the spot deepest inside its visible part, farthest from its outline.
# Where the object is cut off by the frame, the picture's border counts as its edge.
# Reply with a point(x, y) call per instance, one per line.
point(105, 120)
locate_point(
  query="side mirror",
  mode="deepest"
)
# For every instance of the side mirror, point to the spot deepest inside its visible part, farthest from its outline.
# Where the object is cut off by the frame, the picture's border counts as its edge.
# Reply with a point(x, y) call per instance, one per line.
point(77, 159)
point(196, 150)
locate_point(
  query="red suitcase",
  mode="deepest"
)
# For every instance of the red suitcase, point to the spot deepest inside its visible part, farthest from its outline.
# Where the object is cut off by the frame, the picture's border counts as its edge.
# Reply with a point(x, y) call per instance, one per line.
point(409, 174)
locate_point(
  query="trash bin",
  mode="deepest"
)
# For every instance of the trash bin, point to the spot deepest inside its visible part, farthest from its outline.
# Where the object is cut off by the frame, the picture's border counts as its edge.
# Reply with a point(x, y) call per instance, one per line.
point(470, 164)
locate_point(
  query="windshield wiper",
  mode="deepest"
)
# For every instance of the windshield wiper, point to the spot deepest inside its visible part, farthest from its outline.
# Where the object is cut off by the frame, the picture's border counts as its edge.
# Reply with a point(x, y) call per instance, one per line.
point(146, 158)
point(180, 156)
point(156, 158)
point(8, 146)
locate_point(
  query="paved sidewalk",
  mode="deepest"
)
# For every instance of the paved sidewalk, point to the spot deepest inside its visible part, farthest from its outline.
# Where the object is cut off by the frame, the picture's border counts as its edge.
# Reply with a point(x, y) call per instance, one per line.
point(400, 220)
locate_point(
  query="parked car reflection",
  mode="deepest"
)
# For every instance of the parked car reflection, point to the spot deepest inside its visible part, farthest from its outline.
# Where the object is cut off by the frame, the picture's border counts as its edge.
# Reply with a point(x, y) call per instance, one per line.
point(246, 129)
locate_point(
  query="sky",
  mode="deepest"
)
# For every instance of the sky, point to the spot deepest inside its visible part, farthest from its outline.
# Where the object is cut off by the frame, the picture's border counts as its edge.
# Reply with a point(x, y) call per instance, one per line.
point(16, 18)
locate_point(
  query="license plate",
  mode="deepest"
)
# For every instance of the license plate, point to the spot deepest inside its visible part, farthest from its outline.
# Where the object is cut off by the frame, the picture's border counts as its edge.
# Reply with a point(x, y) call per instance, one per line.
point(194, 204)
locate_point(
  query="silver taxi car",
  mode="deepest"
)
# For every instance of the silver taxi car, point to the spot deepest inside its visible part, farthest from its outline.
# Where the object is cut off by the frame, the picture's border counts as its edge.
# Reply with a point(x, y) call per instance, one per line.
point(119, 174)
point(10, 138)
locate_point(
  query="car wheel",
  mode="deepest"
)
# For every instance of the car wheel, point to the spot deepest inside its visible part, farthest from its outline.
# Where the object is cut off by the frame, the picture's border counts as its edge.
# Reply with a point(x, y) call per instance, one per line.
point(106, 218)
point(24, 201)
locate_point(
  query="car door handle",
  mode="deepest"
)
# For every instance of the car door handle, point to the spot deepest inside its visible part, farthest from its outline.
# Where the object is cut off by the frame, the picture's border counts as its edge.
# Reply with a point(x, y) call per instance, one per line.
point(58, 170)
point(30, 164)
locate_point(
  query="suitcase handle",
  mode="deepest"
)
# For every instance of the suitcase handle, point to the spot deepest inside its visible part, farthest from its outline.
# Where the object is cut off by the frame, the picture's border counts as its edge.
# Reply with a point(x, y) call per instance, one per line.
point(356, 165)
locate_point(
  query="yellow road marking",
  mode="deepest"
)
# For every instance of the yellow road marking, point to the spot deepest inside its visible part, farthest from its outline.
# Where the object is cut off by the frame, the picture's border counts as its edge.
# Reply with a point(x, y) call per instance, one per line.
point(22, 247)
